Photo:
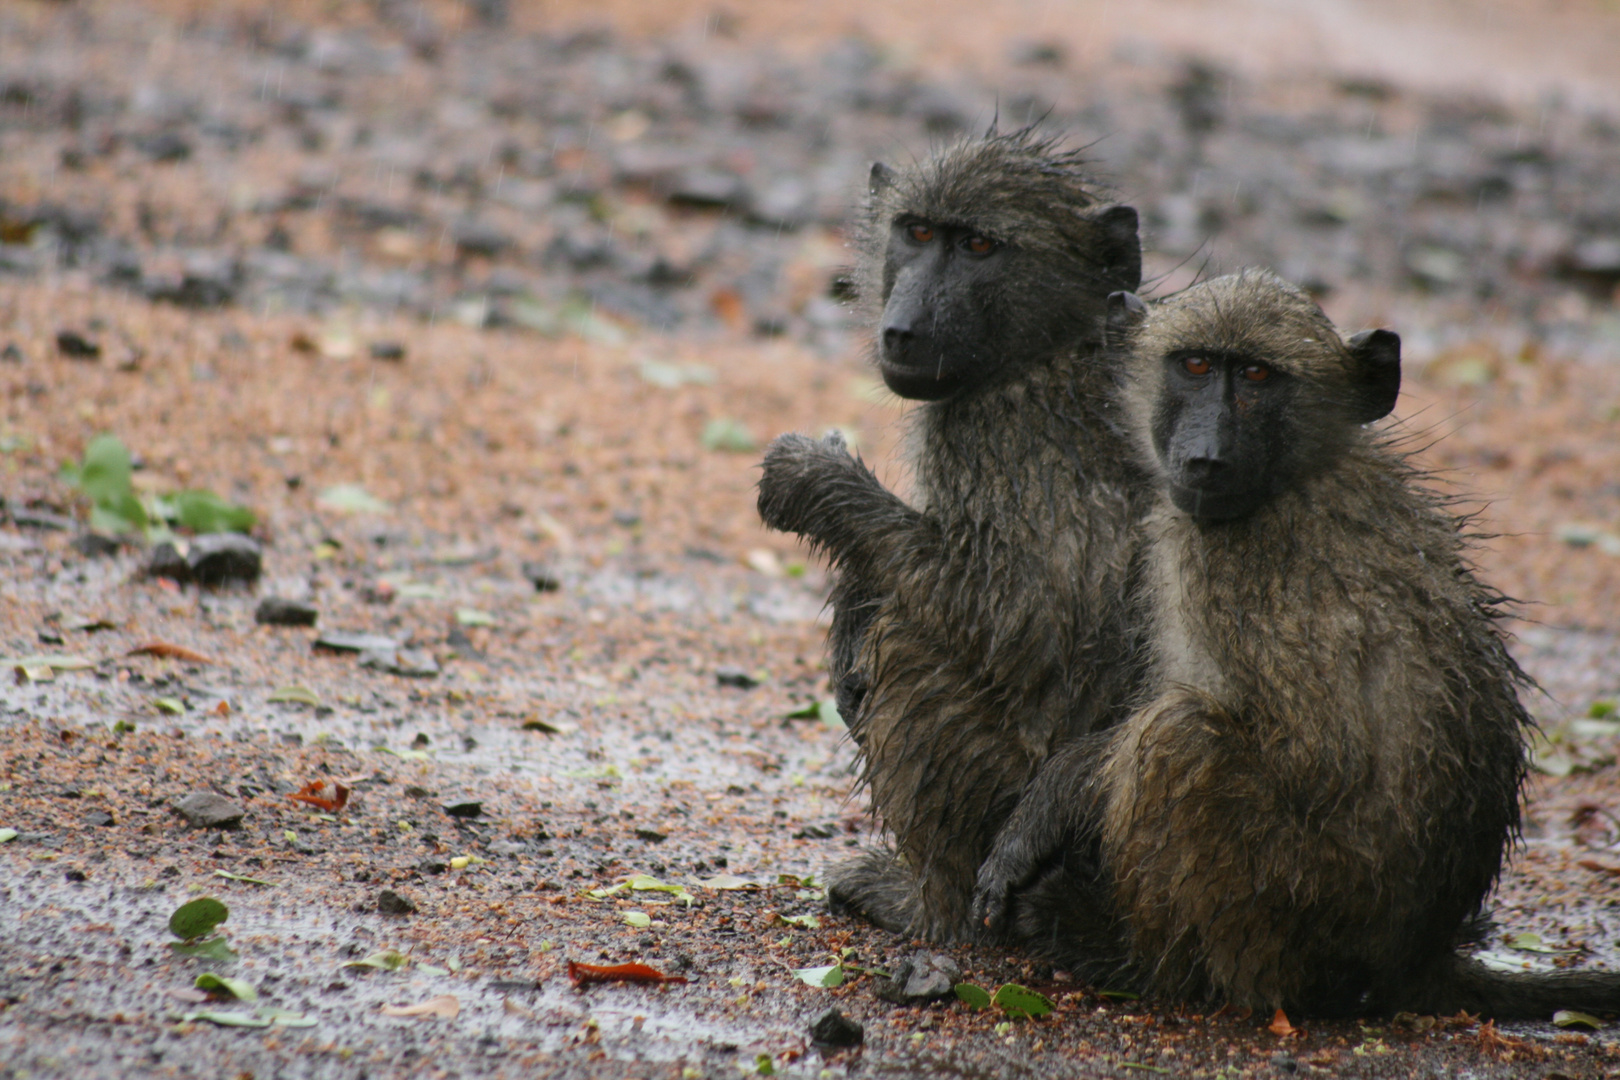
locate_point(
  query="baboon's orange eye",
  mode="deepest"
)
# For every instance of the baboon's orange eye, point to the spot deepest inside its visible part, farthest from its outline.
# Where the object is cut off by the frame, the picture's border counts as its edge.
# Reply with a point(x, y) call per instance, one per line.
point(979, 245)
point(1196, 365)
point(1257, 373)
point(921, 232)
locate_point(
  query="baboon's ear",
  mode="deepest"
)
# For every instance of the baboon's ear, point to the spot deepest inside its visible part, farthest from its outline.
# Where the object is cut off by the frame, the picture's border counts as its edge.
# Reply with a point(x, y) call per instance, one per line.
point(1125, 310)
point(1120, 248)
point(880, 179)
point(1377, 356)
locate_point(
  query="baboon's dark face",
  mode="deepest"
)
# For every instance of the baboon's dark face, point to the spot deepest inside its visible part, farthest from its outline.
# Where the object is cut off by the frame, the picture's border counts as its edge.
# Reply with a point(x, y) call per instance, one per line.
point(1223, 433)
point(940, 327)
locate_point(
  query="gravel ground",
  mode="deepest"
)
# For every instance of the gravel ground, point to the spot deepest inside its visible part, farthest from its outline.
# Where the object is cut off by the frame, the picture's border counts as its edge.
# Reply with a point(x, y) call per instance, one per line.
point(541, 287)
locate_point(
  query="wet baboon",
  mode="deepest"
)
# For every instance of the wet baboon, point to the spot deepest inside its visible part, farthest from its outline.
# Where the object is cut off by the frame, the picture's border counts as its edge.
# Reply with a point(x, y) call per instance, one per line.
point(1310, 808)
point(1002, 595)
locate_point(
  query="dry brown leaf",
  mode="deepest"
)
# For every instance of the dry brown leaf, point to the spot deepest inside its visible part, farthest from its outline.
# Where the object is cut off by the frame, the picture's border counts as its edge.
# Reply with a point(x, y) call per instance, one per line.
point(515, 1009)
point(1280, 1026)
point(170, 651)
point(446, 1006)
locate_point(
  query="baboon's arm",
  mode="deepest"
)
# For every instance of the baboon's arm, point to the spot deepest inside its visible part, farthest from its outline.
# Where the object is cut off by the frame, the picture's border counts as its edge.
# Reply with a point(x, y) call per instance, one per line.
point(1057, 810)
point(816, 489)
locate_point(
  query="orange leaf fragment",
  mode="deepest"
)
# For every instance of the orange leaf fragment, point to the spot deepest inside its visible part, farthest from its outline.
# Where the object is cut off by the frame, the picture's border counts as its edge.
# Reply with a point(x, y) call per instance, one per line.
point(311, 793)
point(223, 708)
point(584, 974)
point(1600, 867)
point(447, 1006)
point(169, 651)
point(1280, 1026)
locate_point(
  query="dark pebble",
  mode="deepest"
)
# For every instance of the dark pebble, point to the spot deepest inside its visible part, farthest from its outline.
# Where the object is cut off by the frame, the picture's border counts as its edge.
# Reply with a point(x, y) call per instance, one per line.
point(99, 818)
point(542, 577)
point(165, 560)
point(387, 350)
point(75, 346)
point(11, 354)
point(920, 977)
point(833, 1029)
point(477, 238)
point(276, 611)
point(432, 866)
point(49, 637)
point(735, 676)
point(415, 663)
point(416, 791)
point(217, 558)
point(76, 876)
point(652, 836)
point(163, 146)
point(1283, 1062)
point(94, 545)
point(390, 902)
point(465, 809)
point(205, 810)
point(817, 832)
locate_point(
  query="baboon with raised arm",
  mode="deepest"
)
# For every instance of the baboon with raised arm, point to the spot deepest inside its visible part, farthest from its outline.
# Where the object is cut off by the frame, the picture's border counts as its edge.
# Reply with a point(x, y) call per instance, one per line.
point(1001, 595)
point(1312, 803)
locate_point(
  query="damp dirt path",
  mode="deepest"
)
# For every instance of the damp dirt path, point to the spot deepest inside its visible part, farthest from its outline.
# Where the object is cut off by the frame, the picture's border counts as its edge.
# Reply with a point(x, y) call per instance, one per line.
point(541, 290)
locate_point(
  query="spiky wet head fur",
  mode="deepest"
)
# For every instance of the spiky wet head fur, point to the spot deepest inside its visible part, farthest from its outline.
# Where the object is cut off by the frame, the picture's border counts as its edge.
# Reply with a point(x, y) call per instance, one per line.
point(1058, 250)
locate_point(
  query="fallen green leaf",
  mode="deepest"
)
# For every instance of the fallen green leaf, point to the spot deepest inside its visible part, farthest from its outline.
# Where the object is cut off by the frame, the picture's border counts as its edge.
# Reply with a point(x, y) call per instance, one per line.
point(203, 512)
point(638, 919)
point(1139, 1067)
point(387, 960)
point(54, 661)
point(197, 917)
point(215, 948)
point(643, 883)
point(728, 882)
point(297, 694)
point(473, 617)
point(429, 969)
point(670, 376)
point(1601, 710)
point(1021, 1003)
point(763, 1065)
point(1566, 1018)
point(122, 727)
point(803, 922)
point(240, 989)
point(724, 433)
point(227, 1019)
point(351, 499)
point(822, 977)
point(227, 875)
point(975, 997)
point(1528, 942)
point(7, 835)
point(173, 706)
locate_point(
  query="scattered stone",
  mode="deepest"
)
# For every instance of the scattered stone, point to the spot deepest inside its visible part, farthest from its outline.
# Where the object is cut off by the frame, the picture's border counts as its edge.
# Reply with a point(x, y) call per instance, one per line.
point(75, 346)
point(163, 146)
point(817, 832)
point(709, 188)
point(390, 902)
point(11, 354)
point(920, 977)
point(344, 641)
point(41, 519)
point(93, 545)
point(99, 818)
point(415, 663)
point(480, 238)
point(652, 836)
point(217, 558)
point(166, 560)
point(278, 611)
point(735, 676)
point(432, 866)
point(833, 1029)
point(465, 809)
point(387, 350)
point(542, 577)
point(76, 876)
point(417, 791)
point(49, 637)
point(205, 810)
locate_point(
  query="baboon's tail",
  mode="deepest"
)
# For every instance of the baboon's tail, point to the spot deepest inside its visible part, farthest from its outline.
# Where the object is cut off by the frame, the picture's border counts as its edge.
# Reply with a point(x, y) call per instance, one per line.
point(1466, 984)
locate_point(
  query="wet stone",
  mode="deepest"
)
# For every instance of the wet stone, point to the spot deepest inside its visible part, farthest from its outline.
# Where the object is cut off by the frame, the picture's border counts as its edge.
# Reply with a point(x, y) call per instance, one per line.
point(651, 836)
point(205, 810)
point(920, 977)
point(75, 346)
point(414, 663)
point(542, 577)
point(99, 819)
point(390, 902)
point(735, 676)
point(344, 641)
point(833, 1029)
point(432, 866)
point(217, 558)
point(465, 809)
point(387, 350)
point(94, 545)
point(277, 611)
point(76, 876)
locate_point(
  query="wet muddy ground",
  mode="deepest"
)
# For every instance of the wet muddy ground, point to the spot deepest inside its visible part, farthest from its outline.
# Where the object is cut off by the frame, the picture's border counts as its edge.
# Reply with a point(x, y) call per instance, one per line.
point(541, 292)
